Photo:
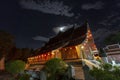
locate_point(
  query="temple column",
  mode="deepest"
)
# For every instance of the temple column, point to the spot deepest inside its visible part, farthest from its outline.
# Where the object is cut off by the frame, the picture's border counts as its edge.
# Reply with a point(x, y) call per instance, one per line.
point(78, 51)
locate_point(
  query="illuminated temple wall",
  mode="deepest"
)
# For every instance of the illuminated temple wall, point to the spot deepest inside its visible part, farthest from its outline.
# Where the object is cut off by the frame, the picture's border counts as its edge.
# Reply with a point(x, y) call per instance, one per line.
point(69, 53)
point(84, 50)
point(57, 53)
point(88, 46)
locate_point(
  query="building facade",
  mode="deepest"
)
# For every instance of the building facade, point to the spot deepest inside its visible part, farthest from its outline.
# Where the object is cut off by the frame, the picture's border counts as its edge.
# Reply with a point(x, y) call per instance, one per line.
point(73, 44)
point(113, 52)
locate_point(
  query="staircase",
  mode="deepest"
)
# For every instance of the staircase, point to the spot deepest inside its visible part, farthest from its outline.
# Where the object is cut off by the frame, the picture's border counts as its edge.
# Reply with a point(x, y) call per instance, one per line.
point(77, 64)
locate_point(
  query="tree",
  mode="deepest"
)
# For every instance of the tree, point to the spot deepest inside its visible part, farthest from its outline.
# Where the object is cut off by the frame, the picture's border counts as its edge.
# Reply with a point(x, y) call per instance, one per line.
point(102, 53)
point(26, 52)
point(55, 66)
point(106, 72)
point(18, 53)
point(6, 43)
point(15, 66)
point(112, 39)
point(11, 54)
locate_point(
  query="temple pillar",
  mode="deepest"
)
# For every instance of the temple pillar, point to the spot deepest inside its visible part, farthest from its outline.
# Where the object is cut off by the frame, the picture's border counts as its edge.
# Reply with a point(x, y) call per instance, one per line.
point(78, 49)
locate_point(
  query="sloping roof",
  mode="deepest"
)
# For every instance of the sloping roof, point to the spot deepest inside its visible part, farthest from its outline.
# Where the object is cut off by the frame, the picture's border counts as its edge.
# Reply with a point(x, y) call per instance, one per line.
point(58, 41)
point(78, 35)
point(71, 37)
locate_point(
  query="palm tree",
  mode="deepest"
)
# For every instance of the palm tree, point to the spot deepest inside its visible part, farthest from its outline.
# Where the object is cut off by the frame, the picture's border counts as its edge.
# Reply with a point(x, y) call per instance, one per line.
point(6, 43)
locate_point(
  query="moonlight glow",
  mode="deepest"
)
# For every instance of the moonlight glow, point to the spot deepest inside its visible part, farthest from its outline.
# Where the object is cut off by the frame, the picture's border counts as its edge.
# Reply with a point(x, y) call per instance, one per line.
point(62, 29)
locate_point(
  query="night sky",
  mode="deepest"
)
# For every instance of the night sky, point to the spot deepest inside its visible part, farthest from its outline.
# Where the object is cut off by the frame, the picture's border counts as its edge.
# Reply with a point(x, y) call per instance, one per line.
point(34, 21)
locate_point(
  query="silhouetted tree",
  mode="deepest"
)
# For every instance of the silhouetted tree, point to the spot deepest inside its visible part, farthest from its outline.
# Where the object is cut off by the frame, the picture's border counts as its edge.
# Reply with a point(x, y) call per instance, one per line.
point(6, 43)
point(55, 67)
point(26, 52)
point(113, 38)
point(102, 53)
point(11, 55)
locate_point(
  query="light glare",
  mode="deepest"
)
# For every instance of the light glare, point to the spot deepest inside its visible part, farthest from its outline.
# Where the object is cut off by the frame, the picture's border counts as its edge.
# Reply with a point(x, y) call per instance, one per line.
point(62, 28)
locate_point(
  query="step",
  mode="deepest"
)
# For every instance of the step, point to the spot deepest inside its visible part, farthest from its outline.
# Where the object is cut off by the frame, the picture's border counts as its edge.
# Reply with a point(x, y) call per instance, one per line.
point(79, 74)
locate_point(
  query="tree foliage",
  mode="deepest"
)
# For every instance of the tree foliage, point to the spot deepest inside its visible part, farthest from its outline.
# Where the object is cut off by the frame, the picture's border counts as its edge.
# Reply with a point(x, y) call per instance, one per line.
point(106, 72)
point(15, 67)
point(19, 53)
point(6, 43)
point(26, 52)
point(113, 38)
point(102, 53)
point(55, 66)
point(24, 77)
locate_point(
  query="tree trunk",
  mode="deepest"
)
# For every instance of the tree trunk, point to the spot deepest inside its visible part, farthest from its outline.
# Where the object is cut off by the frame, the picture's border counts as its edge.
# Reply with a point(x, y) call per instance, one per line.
point(2, 63)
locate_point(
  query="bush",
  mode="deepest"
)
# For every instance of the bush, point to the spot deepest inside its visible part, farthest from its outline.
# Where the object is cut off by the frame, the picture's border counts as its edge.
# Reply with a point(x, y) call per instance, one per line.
point(24, 77)
point(106, 72)
point(15, 67)
point(55, 68)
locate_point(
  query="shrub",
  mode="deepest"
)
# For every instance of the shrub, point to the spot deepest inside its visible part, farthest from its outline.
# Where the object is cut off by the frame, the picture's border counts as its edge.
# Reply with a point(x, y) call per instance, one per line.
point(55, 67)
point(106, 72)
point(15, 67)
point(24, 77)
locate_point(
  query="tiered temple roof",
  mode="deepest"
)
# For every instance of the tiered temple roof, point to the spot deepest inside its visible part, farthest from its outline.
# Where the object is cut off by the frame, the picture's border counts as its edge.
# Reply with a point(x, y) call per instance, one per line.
point(73, 36)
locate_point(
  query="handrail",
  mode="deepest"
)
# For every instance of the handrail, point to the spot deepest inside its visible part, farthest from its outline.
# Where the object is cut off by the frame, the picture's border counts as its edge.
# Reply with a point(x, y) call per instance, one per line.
point(91, 63)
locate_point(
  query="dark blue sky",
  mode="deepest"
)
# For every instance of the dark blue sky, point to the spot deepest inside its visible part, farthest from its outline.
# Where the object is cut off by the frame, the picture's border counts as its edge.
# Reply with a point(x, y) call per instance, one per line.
point(28, 20)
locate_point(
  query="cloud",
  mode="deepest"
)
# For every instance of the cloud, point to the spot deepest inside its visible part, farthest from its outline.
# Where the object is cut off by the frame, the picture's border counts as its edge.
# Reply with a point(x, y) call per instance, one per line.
point(101, 32)
point(57, 29)
point(47, 6)
point(112, 15)
point(105, 23)
point(100, 35)
point(116, 19)
point(118, 4)
point(110, 20)
point(41, 38)
point(96, 6)
point(78, 16)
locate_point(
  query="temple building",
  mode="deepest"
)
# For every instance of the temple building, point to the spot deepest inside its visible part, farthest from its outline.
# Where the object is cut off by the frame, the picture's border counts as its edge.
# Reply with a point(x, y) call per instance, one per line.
point(76, 43)
point(113, 52)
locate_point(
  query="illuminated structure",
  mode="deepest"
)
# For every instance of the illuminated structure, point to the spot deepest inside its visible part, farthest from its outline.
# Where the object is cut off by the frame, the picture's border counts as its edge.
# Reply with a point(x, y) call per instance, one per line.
point(73, 44)
point(113, 52)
